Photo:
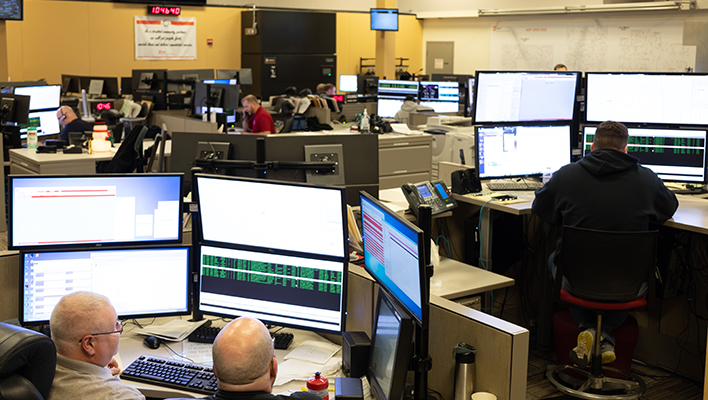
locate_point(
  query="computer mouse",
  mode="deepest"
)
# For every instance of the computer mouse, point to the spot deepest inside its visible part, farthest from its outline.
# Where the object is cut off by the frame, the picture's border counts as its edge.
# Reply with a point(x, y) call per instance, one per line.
point(152, 342)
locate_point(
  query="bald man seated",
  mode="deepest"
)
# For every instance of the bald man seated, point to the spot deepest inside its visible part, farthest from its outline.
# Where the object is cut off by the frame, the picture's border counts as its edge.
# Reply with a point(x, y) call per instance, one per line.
point(245, 364)
point(70, 123)
point(256, 119)
point(86, 331)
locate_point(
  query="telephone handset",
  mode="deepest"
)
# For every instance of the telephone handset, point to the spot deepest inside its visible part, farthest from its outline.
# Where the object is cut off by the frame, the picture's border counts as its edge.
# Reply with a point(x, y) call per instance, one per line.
point(435, 194)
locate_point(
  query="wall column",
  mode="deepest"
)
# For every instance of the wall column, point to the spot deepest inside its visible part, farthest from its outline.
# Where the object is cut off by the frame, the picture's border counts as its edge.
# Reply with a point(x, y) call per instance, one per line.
point(386, 47)
point(4, 56)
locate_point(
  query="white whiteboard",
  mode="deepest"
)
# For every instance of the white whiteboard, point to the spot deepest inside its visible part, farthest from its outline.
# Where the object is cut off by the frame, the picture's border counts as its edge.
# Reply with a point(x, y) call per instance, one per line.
point(617, 46)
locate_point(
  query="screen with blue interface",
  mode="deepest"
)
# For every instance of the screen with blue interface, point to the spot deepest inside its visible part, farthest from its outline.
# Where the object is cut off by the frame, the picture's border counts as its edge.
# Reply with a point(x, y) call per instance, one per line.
point(384, 19)
point(392, 94)
point(677, 155)
point(647, 98)
point(524, 96)
point(442, 97)
point(517, 151)
point(139, 282)
point(273, 250)
point(392, 253)
point(95, 210)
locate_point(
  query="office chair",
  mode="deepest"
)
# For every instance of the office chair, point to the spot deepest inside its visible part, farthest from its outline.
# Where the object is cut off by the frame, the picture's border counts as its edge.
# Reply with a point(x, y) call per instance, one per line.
point(27, 363)
point(606, 271)
point(129, 156)
point(141, 119)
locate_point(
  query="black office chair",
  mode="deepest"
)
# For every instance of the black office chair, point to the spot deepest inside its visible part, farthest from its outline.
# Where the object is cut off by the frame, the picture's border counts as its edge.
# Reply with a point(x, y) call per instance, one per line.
point(129, 156)
point(28, 360)
point(605, 271)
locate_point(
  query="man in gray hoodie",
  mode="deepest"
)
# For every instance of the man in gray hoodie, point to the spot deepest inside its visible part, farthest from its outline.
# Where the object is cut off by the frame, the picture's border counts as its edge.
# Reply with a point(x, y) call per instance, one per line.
point(409, 106)
point(606, 190)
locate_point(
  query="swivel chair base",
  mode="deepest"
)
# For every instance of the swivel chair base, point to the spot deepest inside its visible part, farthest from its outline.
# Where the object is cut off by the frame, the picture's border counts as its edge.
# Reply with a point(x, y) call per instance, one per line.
point(596, 387)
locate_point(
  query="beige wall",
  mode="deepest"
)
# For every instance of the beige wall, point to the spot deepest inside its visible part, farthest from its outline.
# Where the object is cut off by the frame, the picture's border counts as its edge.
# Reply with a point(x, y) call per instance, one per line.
point(97, 38)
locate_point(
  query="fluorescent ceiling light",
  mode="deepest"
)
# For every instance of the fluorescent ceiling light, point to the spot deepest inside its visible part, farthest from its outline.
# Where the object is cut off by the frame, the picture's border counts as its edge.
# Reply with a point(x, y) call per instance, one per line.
point(653, 6)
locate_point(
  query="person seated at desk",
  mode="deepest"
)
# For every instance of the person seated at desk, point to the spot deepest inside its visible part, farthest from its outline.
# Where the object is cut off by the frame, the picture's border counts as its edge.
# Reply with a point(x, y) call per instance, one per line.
point(606, 190)
point(409, 105)
point(70, 123)
point(86, 332)
point(560, 67)
point(244, 363)
point(256, 119)
point(329, 90)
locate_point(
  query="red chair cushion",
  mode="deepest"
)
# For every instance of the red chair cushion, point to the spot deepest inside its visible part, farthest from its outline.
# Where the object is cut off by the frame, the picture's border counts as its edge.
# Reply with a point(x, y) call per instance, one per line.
point(569, 298)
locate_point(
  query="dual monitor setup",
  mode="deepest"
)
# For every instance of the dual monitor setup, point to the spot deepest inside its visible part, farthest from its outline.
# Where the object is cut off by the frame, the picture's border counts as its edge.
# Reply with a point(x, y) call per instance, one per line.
point(527, 120)
point(250, 255)
point(39, 112)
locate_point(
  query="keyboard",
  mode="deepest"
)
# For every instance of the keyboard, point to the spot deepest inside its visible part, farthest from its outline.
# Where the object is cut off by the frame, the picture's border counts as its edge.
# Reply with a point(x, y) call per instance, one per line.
point(513, 185)
point(171, 374)
point(207, 334)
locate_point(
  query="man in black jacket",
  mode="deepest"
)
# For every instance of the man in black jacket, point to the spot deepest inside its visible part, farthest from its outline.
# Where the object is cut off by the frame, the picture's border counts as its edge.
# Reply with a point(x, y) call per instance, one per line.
point(245, 364)
point(606, 190)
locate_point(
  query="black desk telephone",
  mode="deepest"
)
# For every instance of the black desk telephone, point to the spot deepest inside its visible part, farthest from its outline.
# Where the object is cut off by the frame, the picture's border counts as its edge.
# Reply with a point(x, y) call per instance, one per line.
point(435, 194)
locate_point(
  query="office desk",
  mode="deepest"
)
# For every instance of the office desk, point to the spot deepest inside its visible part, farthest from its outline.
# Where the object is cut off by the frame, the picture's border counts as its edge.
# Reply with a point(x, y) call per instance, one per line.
point(454, 280)
point(131, 347)
point(24, 161)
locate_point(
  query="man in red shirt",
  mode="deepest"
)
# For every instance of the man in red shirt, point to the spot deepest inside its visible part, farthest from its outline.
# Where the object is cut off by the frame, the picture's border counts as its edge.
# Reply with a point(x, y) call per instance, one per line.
point(256, 120)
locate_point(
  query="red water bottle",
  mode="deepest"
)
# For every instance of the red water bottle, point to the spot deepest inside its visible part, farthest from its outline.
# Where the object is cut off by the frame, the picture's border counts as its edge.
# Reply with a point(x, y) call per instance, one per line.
point(318, 385)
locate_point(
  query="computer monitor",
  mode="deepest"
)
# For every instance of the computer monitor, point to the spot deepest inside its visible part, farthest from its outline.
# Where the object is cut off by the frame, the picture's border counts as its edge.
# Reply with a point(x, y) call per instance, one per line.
point(126, 85)
point(675, 155)
point(245, 75)
point(14, 108)
point(392, 94)
point(391, 349)
point(139, 282)
point(48, 211)
point(512, 151)
point(11, 10)
point(225, 94)
point(393, 254)
point(470, 95)
point(384, 19)
point(194, 75)
point(442, 97)
point(517, 96)
point(99, 85)
point(41, 97)
point(646, 98)
point(46, 123)
point(348, 83)
point(285, 265)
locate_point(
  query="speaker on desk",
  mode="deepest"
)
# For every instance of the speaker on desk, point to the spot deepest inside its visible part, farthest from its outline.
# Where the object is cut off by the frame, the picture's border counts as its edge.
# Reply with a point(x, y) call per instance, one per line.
point(355, 353)
point(465, 181)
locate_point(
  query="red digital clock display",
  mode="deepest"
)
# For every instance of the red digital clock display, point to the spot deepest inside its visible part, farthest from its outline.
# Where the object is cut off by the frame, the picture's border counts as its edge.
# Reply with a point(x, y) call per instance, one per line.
point(164, 10)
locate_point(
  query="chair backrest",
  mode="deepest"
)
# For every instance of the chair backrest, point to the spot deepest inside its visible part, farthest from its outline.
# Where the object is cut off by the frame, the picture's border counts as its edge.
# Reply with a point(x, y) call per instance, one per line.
point(606, 266)
point(129, 155)
point(27, 363)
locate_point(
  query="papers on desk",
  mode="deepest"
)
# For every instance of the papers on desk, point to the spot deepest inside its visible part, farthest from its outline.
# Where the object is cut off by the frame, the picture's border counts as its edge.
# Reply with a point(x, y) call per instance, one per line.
point(311, 356)
point(175, 329)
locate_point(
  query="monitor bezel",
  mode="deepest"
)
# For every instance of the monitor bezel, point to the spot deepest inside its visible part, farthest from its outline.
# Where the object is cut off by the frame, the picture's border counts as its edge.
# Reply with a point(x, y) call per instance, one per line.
point(642, 123)
point(344, 259)
point(372, 21)
point(424, 295)
point(545, 124)
point(39, 86)
point(10, 221)
point(187, 282)
point(584, 152)
point(403, 351)
point(475, 100)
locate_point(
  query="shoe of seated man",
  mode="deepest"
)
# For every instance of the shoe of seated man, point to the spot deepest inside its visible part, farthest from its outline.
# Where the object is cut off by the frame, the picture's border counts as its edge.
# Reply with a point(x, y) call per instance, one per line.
point(607, 351)
point(581, 354)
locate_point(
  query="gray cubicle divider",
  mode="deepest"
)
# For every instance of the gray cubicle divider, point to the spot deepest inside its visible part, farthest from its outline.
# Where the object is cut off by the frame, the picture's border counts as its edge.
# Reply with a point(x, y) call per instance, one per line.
point(502, 347)
point(361, 170)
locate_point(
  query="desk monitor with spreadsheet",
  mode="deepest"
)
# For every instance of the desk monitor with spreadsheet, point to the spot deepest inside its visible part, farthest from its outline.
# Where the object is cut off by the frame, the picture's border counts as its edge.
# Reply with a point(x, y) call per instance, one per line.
point(646, 98)
point(675, 155)
point(391, 353)
point(276, 251)
point(46, 123)
point(146, 282)
point(512, 151)
point(442, 97)
point(41, 97)
point(517, 96)
point(392, 94)
point(48, 211)
point(393, 254)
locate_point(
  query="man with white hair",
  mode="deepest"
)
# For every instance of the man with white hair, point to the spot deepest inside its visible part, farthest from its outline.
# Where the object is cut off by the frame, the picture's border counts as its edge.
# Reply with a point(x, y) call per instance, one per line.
point(86, 331)
point(245, 364)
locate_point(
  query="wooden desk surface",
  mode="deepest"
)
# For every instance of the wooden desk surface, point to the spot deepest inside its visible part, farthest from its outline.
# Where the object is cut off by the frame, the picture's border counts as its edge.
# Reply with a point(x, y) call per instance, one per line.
point(516, 208)
point(453, 280)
